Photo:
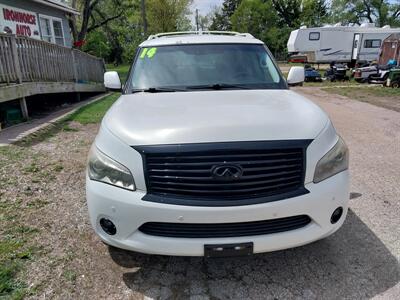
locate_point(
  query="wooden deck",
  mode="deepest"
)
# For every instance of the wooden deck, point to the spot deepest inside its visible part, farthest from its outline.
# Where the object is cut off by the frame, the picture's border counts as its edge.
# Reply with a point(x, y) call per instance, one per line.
point(29, 67)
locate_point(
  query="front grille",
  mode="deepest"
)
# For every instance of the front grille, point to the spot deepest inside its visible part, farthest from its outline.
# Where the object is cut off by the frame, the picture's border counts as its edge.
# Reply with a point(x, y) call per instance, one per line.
point(220, 230)
point(264, 169)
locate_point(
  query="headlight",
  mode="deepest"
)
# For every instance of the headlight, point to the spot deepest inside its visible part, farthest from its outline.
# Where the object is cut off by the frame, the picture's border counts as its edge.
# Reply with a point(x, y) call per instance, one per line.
point(104, 169)
point(333, 162)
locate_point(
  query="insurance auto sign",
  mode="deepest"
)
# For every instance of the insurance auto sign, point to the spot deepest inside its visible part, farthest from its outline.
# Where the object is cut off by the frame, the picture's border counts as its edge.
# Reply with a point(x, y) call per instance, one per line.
point(19, 21)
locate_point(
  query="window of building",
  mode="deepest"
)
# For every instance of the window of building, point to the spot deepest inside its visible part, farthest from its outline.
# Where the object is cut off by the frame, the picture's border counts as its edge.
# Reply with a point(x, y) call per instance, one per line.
point(45, 28)
point(313, 36)
point(51, 29)
point(372, 43)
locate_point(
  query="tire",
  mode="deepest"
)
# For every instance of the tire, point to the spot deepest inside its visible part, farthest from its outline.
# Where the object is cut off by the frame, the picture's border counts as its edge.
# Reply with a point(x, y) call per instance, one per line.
point(395, 85)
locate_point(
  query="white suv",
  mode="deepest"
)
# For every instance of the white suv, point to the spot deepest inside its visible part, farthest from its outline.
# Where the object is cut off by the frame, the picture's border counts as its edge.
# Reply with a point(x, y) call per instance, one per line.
point(207, 152)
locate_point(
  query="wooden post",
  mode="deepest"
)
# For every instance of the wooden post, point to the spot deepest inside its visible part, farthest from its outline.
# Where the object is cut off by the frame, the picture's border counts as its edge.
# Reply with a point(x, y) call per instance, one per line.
point(14, 51)
point(74, 65)
point(24, 108)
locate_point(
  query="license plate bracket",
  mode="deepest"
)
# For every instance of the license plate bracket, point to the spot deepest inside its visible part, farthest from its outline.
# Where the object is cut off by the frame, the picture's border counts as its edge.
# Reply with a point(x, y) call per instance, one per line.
point(225, 250)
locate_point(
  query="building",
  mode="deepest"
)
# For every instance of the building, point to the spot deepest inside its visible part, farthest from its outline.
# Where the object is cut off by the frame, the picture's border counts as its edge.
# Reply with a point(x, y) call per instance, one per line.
point(37, 58)
point(390, 49)
point(39, 19)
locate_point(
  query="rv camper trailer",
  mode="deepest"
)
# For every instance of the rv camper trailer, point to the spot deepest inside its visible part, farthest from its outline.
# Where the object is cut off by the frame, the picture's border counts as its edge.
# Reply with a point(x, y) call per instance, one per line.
point(345, 44)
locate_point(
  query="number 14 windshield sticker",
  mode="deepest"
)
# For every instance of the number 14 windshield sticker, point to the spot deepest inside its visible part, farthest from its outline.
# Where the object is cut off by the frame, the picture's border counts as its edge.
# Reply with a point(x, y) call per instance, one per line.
point(148, 52)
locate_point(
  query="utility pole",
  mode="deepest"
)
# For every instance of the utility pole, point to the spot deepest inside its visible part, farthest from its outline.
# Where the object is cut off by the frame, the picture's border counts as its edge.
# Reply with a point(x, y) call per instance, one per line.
point(197, 19)
point(144, 19)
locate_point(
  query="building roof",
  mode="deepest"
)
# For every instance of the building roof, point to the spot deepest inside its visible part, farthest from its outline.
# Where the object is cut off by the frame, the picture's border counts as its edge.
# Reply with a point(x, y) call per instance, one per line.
point(58, 4)
point(394, 37)
point(198, 37)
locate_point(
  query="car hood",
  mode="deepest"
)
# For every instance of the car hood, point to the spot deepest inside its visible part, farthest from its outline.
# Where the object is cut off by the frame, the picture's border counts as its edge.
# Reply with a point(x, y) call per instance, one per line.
point(214, 116)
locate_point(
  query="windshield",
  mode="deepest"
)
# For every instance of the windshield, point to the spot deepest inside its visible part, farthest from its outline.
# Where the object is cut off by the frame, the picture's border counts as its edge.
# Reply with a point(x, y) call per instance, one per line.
point(205, 66)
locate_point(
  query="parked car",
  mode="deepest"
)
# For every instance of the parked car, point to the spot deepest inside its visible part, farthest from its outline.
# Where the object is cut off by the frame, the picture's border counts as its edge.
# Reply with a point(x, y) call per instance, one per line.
point(209, 153)
point(393, 78)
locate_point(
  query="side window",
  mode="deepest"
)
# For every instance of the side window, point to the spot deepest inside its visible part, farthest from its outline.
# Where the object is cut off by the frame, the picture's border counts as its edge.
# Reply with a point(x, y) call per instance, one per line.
point(372, 43)
point(313, 36)
point(58, 32)
point(51, 29)
point(45, 28)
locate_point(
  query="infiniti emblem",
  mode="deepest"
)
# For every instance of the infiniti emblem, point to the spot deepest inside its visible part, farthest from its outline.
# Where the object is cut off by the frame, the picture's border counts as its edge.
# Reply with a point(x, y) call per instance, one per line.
point(227, 172)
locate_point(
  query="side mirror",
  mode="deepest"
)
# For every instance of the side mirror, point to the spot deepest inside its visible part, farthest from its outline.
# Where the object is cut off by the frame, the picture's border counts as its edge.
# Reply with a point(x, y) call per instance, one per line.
point(295, 76)
point(112, 81)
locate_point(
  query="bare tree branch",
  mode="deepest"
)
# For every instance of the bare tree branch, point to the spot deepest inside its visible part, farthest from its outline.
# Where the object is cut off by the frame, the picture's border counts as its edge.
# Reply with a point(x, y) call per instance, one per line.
point(104, 22)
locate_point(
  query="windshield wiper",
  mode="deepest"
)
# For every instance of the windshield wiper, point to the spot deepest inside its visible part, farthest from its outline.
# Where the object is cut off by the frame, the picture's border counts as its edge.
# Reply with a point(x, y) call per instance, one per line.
point(218, 86)
point(158, 90)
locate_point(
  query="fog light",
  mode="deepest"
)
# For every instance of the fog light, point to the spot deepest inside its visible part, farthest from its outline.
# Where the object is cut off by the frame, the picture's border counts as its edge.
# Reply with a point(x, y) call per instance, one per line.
point(108, 226)
point(336, 215)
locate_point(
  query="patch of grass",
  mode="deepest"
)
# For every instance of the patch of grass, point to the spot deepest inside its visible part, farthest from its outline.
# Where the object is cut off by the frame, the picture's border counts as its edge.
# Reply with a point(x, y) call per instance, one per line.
point(32, 168)
point(40, 135)
point(376, 95)
point(69, 129)
point(10, 153)
point(37, 203)
point(375, 91)
point(70, 275)
point(15, 249)
point(12, 254)
point(22, 229)
point(10, 287)
point(121, 69)
point(327, 83)
point(58, 168)
point(94, 112)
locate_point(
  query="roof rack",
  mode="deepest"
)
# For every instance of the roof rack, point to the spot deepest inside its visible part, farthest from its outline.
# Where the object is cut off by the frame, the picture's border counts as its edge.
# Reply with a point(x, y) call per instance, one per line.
point(200, 32)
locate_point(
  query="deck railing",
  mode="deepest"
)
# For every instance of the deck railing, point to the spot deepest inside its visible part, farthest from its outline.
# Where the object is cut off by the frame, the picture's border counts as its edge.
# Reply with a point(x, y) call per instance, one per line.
point(28, 60)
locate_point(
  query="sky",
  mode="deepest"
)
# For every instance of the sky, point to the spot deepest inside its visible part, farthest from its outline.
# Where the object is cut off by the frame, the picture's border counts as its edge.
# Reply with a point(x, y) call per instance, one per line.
point(205, 6)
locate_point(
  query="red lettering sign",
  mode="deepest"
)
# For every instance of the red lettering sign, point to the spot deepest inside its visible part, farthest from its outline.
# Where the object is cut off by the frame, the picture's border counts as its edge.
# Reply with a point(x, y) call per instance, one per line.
point(23, 30)
point(20, 17)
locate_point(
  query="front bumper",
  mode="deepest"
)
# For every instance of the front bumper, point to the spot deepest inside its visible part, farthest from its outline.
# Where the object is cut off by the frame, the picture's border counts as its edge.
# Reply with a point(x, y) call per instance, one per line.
point(128, 212)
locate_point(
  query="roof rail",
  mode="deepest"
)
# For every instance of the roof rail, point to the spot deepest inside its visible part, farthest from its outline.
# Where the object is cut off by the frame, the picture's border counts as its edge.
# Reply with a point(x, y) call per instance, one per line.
point(200, 32)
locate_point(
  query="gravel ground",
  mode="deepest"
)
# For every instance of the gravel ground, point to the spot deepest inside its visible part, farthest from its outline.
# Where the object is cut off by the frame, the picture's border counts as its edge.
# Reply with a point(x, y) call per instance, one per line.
point(360, 261)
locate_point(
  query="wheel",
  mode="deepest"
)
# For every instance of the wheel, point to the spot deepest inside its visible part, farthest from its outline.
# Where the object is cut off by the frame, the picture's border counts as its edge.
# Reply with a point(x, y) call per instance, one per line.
point(395, 84)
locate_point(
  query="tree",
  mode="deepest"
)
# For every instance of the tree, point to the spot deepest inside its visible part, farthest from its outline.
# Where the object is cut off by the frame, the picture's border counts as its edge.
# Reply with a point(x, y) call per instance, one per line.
point(380, 12)
point(289, 11)
point(314, 13)
point(204, 22)
point(98, 44)
point(168, 15)
point(94, 14)
point(260, 19)
point(144, 18)
point(221, 19)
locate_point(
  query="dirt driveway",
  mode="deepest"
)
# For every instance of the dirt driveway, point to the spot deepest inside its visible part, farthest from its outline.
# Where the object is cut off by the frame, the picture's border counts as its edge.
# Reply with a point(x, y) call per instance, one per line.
point(45, 183)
